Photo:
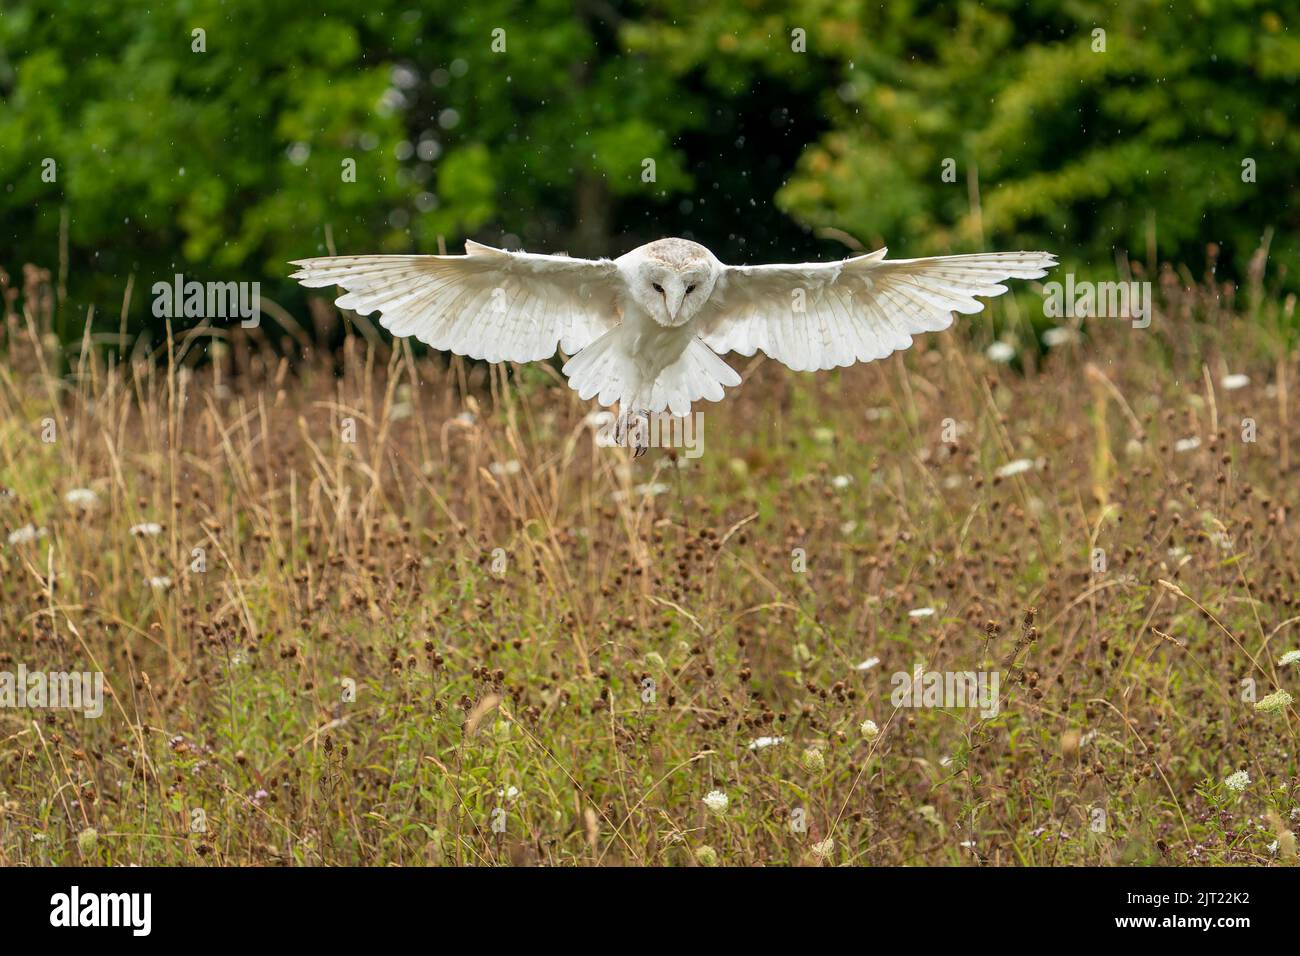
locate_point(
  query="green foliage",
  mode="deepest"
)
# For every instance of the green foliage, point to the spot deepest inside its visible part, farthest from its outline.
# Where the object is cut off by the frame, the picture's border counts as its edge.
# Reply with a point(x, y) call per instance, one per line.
point(227, 161)
point(1064, 138)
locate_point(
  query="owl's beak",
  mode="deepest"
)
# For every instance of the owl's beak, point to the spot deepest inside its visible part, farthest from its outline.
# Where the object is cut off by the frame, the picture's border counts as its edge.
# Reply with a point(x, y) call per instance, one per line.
point(673, 297)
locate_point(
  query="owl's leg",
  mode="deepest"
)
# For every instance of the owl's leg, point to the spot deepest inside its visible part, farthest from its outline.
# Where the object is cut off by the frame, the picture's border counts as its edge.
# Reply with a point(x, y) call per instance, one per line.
point(632, 429)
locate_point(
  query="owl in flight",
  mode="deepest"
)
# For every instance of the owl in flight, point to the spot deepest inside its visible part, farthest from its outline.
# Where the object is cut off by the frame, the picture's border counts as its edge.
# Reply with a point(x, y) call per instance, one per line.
point(646, 330)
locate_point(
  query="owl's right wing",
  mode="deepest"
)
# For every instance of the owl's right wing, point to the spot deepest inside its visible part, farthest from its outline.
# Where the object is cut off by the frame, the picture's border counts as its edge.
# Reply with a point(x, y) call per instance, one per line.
point(488, 304)
point(820, 315)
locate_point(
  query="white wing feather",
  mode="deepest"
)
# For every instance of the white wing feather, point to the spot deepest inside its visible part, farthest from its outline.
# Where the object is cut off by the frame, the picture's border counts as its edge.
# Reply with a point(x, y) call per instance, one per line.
point(821, 315)
point(488, 304)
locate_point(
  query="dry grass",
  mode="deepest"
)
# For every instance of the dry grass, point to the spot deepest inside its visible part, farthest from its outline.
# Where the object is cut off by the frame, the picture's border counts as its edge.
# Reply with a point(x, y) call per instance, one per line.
point(373, 561)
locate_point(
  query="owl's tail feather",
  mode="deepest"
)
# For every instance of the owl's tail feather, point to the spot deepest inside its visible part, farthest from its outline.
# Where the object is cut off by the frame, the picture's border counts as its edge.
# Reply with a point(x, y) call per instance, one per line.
point(606, 371)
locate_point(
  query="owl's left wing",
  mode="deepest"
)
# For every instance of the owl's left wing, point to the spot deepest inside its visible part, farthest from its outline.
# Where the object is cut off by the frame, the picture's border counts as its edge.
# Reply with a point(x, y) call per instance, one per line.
point(821, 315)
point(488, 304)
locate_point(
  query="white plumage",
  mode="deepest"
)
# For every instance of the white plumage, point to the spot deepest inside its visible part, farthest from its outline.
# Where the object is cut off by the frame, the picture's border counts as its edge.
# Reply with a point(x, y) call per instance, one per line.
point(645, 330)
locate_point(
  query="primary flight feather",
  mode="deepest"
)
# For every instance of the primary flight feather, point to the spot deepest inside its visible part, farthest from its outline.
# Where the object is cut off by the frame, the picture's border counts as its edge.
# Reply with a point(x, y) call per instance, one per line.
point(645, 330)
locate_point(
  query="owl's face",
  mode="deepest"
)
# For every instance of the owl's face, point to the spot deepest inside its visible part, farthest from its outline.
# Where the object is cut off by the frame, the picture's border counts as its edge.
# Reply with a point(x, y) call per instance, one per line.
point(672, 284)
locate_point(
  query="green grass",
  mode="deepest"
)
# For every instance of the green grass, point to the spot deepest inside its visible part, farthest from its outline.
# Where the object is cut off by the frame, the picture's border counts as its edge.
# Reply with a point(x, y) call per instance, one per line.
point(372, 562)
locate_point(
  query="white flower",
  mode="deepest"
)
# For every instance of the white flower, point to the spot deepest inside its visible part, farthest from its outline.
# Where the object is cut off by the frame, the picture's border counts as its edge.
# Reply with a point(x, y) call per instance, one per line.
point(1187, 444)
point(159, 583)
point(147, 529)
point(1019, 466)
point(762, 743)
point(921, 612)
point(1061, 335)
point(717, 802)
point(1238, 781)
point(1290, 657)
point(841, 481)
point(511, 467)
point(824, 849)
point(509, 793)
point(81, 498)
point(26, 534)
point(1235, 381)
point(1000, 352)
point(1274, 703)
point(869, 730)
point(869, 663)
point(650, 489)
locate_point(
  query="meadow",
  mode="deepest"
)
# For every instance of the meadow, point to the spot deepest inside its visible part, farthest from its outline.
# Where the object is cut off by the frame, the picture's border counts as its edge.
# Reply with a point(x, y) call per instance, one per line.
point(371, 606)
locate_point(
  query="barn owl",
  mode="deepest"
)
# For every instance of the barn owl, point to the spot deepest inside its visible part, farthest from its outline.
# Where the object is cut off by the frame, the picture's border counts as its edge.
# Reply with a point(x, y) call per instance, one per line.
point(646, 330)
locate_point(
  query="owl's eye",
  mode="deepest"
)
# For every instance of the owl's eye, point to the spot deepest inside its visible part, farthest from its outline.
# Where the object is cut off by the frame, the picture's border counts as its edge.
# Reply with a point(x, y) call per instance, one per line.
point(657, 286)
point(690, 288)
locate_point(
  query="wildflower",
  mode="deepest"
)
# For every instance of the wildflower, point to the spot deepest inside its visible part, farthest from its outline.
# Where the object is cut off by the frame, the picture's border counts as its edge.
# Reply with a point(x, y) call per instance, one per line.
point(1235, 381)
point(81, 498)
point(1000, 352)
point(813, 760)
point(1274, 703)
point(824, 849)
point(717, 802)
point(1061, 335)
point(706, 856)
point(869, 663)
point(1238, 781)
point(869, 730)
point(1017, 467)
point(1187, 444)
point(511, 467)
point(841, 481)
point(26, 534)
point(762, 743)
point(161, 583)
point(146, 529)
point(1290, 657)
point(87, 840)
point(921, 612)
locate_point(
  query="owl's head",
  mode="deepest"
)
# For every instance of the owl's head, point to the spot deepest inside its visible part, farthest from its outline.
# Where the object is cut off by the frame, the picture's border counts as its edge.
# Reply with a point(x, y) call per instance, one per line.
point(671, 279)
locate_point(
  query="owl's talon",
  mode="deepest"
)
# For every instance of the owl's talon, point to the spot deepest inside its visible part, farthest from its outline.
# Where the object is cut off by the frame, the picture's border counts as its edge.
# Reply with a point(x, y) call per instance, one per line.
point(632, 430)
